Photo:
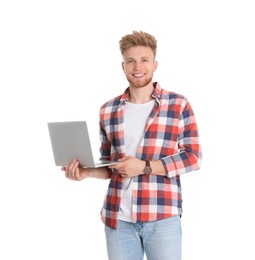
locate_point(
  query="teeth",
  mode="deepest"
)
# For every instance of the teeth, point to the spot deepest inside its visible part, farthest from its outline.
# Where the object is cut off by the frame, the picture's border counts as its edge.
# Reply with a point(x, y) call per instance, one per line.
point(138, 75)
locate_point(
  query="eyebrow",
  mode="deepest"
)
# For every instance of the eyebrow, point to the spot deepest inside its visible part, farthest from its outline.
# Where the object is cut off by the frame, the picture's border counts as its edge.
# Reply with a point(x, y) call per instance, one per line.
point(131, 58)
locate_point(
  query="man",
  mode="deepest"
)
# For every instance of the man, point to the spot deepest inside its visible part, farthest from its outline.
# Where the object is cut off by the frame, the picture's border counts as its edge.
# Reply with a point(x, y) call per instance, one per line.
point(153, 134)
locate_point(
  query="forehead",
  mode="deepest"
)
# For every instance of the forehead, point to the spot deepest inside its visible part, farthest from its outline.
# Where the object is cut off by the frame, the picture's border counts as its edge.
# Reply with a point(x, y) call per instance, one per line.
point(137, 52)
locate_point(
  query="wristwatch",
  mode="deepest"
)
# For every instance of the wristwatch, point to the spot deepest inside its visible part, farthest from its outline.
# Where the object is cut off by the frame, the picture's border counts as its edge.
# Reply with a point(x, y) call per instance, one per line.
point(147, 169)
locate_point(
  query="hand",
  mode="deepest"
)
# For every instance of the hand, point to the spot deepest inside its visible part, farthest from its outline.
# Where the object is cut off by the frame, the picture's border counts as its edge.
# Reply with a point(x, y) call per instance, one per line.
point(129, 166)
point(73, 172)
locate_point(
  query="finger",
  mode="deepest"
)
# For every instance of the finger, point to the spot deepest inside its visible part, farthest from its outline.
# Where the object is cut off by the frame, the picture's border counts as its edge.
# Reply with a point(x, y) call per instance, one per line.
point(121, 172)
point(74, 171)
point(77, 174)
point(69, 170)
point(123, 159)
point(114, 166)
point(123, 175)
point(67, 173)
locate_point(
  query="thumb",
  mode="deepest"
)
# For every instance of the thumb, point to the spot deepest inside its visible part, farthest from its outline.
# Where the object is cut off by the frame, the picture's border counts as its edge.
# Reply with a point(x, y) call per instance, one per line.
point(124, 158)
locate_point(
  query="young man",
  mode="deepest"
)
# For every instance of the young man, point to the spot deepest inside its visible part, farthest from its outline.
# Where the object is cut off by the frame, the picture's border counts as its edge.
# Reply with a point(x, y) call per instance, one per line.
point(154, 136)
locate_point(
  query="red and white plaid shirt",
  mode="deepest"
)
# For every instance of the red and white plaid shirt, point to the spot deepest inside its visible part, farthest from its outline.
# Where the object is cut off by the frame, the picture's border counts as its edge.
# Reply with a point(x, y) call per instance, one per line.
point(171, 135)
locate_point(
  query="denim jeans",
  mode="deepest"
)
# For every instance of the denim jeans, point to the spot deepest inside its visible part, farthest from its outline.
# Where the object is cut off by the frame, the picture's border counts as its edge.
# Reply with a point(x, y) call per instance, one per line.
point(159, 240)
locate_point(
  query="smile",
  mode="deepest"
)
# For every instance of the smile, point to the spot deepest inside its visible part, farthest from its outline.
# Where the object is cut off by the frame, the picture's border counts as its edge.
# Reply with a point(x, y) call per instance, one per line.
point(138, 75)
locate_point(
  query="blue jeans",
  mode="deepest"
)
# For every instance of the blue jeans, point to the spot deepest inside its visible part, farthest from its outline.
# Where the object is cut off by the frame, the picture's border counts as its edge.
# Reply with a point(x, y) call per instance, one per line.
point(159, 240)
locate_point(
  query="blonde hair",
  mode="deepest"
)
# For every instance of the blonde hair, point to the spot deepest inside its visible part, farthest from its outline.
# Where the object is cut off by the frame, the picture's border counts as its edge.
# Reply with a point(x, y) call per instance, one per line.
point(138, 38)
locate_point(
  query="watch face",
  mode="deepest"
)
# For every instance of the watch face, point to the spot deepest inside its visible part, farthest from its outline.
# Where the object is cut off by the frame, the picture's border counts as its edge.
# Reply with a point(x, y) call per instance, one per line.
point(147, 170)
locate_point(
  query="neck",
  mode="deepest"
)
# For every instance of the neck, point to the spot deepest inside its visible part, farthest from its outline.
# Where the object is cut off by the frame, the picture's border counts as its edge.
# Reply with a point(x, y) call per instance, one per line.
point(140, 95)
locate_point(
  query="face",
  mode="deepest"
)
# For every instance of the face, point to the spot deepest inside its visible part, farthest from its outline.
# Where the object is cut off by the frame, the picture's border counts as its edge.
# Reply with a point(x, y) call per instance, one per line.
point(139, 65)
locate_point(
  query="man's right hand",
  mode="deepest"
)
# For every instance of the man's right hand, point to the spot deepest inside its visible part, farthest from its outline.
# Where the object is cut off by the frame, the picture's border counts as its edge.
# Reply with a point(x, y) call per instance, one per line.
point(74, 172)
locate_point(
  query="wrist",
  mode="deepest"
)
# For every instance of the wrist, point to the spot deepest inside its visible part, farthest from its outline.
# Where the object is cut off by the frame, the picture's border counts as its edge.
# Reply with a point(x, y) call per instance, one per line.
point(147, 169)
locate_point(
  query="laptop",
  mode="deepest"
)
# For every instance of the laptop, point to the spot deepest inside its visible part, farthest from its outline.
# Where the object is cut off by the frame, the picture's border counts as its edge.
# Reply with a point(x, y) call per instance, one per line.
point(70, 140)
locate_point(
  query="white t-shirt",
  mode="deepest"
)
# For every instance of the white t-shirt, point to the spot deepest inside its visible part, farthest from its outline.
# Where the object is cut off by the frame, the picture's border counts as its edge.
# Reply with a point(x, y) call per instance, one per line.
point(136, 116)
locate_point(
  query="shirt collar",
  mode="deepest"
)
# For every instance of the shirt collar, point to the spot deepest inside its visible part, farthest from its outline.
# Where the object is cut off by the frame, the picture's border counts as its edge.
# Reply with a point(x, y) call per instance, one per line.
point(156, 94)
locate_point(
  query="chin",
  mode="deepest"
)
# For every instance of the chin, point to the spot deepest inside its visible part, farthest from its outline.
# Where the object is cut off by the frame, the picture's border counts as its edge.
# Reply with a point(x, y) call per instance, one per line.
point(139, 84)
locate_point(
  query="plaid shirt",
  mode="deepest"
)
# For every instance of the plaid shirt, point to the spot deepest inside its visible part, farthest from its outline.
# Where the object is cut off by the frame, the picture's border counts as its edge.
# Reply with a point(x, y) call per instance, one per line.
point(171, 135)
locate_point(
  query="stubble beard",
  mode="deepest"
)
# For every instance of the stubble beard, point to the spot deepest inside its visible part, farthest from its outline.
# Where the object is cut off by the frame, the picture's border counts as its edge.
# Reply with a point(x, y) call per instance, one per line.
point(139, 84)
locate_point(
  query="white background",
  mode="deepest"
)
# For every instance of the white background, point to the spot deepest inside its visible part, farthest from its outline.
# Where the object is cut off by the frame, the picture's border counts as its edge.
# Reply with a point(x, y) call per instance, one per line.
point(60, 60)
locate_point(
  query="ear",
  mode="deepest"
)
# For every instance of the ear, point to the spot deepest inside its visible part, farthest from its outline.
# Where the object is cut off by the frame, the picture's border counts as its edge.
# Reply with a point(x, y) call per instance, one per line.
point(122, 65)
point(155, 65)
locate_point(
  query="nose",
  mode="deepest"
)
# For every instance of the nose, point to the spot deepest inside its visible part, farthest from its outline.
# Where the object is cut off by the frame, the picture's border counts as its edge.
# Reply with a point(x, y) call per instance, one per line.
point(137, 65)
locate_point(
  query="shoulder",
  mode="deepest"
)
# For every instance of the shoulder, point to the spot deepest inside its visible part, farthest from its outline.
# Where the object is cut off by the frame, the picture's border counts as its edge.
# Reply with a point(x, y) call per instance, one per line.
point(173, 97)
point(173, 101)
point(167, 95)
point(114, 102)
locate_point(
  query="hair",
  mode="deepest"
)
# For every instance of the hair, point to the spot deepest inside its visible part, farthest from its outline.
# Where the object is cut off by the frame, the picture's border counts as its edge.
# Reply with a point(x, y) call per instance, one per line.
point(138, 38)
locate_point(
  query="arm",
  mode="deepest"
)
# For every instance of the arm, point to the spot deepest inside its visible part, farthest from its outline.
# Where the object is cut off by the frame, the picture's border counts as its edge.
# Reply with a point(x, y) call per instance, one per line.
point(130, 166)
point(189, 155)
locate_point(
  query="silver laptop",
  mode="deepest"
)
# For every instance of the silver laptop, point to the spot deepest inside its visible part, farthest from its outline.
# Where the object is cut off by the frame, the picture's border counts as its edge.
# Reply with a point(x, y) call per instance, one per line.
point(70, 140)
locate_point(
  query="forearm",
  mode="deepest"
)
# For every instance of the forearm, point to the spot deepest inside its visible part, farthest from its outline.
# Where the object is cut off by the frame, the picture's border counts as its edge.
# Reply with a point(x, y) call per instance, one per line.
point(99, 173)
point(158, 168)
